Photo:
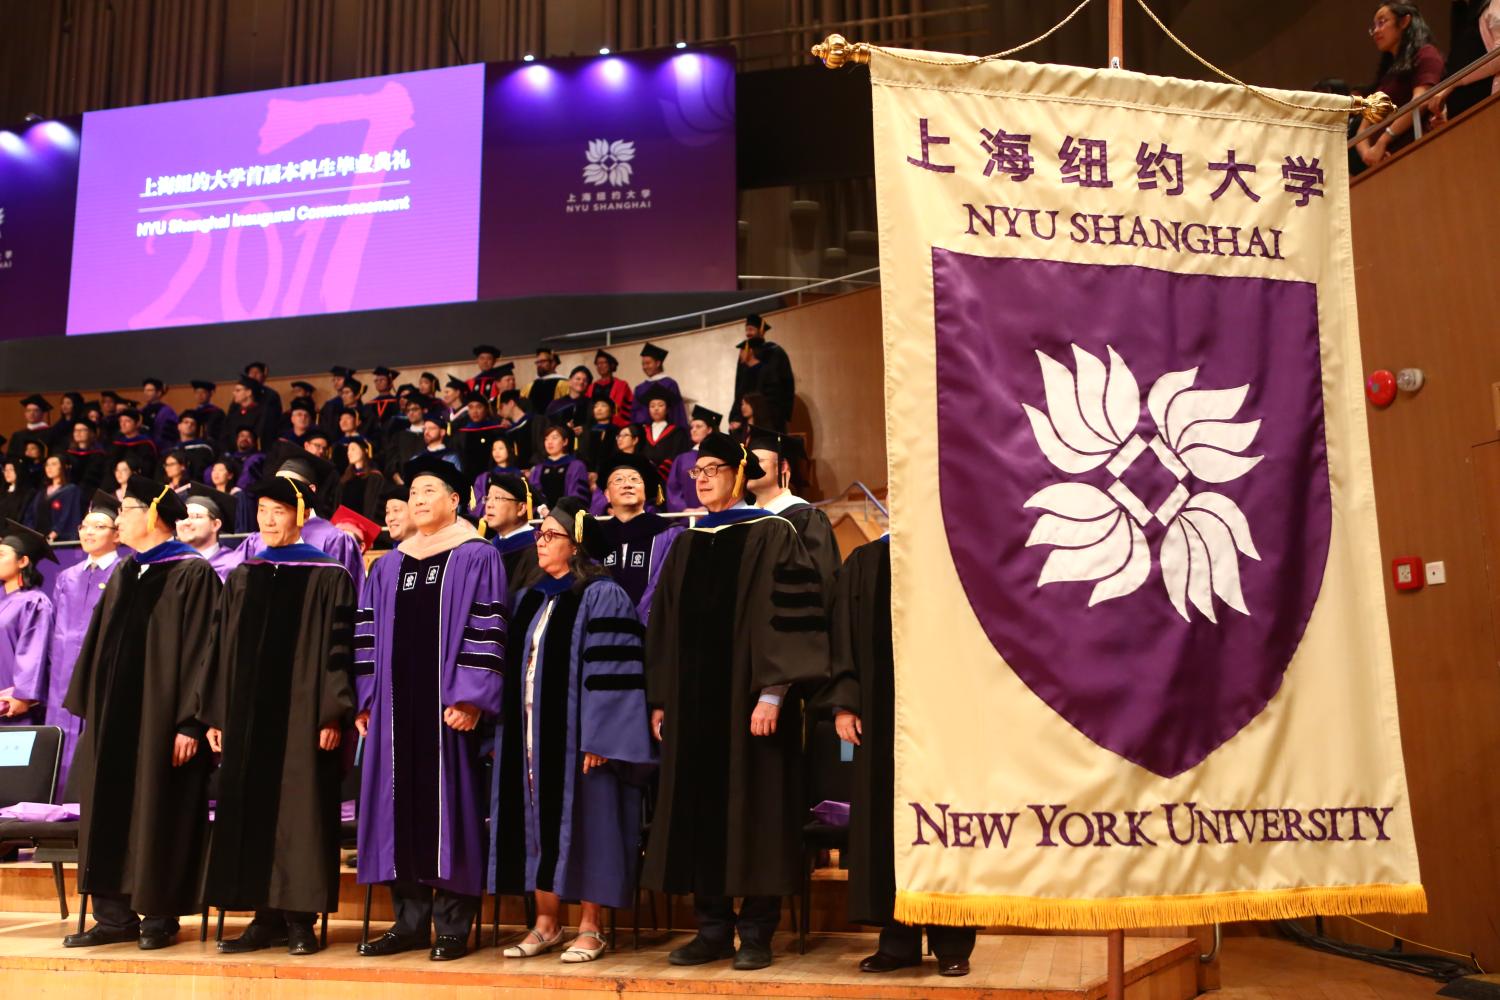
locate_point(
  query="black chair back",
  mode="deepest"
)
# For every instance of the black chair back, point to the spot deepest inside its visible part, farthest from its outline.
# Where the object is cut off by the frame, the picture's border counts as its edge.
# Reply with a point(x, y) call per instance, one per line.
point(28, 763)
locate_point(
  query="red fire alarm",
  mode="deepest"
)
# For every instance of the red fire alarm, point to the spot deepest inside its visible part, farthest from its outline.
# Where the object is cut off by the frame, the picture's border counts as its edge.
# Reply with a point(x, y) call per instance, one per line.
point(1381, 387)
point(1406, 573)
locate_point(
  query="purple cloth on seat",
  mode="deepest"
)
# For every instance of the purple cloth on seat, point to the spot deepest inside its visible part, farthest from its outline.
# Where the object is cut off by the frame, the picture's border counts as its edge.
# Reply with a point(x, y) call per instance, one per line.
point(40, 812)
point(831, 813)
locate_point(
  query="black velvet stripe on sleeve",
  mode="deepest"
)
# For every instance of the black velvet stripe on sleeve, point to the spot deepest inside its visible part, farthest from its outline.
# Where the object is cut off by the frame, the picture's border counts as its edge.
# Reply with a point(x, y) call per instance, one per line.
point(472, 634)
point(618, 654)
point(364, 616)
point(797, 599)
point(795, 574)
point(364, 642)
point(809, 623)
point(481, 661)
point(629, 626)
point(487, 609)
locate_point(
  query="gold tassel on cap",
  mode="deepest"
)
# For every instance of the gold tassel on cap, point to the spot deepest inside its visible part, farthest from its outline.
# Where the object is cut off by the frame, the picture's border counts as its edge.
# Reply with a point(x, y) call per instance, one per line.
point(151, 511)
point(301, 505)
point(739, 475)
point(527, 485)
point(473, 505)
point(578, 526)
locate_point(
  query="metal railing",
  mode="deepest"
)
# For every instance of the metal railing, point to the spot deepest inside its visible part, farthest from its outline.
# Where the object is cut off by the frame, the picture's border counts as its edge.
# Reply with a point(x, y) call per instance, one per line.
point(700, 317)
point(870, 498)
point(1414, 106)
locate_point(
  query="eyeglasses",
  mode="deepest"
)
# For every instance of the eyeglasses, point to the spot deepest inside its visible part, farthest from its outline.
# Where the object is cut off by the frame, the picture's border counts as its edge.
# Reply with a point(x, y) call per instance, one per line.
point(627, 480)
point(1381, 22)
point(139, 506)
point(549, 536)
point(706, 471)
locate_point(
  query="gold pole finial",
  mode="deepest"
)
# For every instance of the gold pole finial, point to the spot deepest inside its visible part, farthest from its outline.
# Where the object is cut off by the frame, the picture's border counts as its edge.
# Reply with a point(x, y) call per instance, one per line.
point(836, 51)
point(1377, 107)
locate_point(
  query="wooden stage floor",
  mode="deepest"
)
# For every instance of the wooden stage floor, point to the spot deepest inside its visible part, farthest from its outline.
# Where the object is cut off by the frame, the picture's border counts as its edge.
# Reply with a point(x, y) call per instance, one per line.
point(1019, 967)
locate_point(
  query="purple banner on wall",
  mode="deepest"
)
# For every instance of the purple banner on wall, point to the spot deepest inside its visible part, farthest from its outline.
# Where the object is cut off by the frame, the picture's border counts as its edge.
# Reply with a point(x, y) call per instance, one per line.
point(610, 174)
point(38, 179)
point(360, 194)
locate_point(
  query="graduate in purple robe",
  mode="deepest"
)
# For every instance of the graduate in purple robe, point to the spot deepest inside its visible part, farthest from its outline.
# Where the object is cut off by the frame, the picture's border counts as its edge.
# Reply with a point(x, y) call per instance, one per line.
point(653, 359)
point(318, 531)
point(208, 513)
point(636, 538)
point(26, 618)
point(681, 494)
point(429, 654)
point(574, 745)
point(560, 473)
point(75, 594)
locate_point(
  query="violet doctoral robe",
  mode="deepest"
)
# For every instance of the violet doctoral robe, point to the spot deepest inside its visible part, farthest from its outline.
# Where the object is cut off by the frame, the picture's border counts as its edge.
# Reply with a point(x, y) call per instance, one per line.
point(422, 813)
point(320, 533)
point(575, 667)
point(638, 550)
point(26, 618)
point(144, 821)
point(640, 410)
point(554, 478)
point(682, 492)
point(74, 596)
point(278, 672)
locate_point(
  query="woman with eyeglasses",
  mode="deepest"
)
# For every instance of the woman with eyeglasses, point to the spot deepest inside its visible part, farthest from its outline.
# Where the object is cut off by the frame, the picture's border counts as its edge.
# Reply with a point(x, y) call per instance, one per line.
point(26, 618)
point(1410, 66)
point(573, 746)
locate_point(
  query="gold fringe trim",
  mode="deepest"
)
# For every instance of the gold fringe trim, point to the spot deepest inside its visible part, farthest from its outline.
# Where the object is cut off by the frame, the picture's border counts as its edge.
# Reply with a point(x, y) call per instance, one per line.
point(1129, 912)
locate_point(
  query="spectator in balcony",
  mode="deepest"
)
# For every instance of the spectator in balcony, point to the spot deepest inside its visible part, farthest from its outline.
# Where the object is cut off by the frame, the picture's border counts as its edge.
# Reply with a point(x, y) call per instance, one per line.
point(575, 406)
point(548, 385)
point(158, 418)
point(1410, 66)
point(664, 439)
point(86, 460)
point(596, 444)
point(363, 484)
point(210, 417)
point(764, 368)
point(269, 398)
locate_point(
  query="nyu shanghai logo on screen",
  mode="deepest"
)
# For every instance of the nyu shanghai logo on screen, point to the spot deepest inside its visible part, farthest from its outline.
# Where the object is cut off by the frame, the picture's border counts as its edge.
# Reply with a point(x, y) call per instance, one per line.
point(609, 169)
point(1097, 534)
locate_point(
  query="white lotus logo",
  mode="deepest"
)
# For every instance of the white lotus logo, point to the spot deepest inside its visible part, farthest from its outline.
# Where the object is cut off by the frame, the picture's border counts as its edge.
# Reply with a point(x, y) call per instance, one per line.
point(609, 162)
point(1096, 534)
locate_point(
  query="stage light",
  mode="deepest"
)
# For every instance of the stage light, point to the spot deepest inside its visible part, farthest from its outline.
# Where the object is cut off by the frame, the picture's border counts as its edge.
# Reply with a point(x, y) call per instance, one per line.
point(686, 66)
point(11, 143)
point(604, 51)
point(613, 71)
point(58, 134)
point(539, 77)
point(682, 45)
point(528, 57)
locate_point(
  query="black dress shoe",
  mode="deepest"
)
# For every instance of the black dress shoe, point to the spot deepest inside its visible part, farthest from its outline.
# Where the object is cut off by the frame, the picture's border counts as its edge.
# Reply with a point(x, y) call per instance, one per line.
point(390, 943)
point(301, 939)
point(447, 947)
point(751, 957)
point(882, 962)
point(155, 940)
point(99, 934)
point(700, 951)
point(255, 937)
point(953, 966)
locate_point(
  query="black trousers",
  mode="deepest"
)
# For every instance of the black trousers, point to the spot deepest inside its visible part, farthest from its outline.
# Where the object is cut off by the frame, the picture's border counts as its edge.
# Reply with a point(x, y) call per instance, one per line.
point(756, 921)
point(279, 919)
point(419, 907)
point(113, 911)
point(905, 941)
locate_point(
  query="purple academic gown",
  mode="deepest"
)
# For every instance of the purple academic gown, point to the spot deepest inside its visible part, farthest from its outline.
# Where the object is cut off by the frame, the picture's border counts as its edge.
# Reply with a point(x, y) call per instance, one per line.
point(225, 560)
point(575, 478)
point(640, 412)
point(471, 644)
point(682, 492)
point(75, 595)
point(26, 618)
point(581, 831)
point(321, 533)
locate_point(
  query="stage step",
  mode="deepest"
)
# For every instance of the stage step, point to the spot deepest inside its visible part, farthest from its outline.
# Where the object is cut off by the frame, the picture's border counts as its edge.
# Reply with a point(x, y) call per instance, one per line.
point(1013, 967)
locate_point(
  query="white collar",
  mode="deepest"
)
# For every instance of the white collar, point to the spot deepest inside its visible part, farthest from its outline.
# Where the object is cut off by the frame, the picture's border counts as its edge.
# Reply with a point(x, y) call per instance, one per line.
point(657, 426)
point(515, 532)
point(210, 552)
point(782, 502)
point(653, 378)
point(105, 561)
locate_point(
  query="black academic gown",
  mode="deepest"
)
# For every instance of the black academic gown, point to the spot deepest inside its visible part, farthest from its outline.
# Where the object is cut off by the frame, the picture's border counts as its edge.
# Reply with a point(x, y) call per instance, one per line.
point(522, 571)
point(739, 608)
point(279, 671)
point(864, 683)
point(816, 532)
point(144, 822)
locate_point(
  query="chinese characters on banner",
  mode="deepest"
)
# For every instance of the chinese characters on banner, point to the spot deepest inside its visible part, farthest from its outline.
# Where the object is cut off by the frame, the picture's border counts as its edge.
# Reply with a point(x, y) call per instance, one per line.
point(1123, 308)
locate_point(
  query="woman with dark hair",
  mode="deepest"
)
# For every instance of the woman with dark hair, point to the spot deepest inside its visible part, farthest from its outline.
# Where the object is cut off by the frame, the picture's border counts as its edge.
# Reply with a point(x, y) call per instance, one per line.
point(1410, 66)
point(26, 619)
point(755, 411)
point(176, 471)
point(559, 473)
point(573, 743)
point(502, 463)
point(363, 484)
point(58, 506)
point(15, 494)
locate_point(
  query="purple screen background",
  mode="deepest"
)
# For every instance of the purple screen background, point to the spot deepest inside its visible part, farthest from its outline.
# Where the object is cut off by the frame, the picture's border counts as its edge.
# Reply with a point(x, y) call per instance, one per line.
point(38, 178)
point(425, 254)
point(677, 109)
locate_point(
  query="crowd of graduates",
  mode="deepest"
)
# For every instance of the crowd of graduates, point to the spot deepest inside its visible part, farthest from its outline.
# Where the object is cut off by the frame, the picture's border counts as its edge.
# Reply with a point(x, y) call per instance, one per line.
point(542, 662)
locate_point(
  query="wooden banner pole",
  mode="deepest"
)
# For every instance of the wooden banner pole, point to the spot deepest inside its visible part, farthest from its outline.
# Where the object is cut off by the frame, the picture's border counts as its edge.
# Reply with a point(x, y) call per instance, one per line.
point(1116, 939)
point(1116, 34)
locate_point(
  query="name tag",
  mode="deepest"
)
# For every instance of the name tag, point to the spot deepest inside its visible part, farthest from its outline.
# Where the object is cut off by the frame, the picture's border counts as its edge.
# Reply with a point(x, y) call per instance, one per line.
point(15, 749)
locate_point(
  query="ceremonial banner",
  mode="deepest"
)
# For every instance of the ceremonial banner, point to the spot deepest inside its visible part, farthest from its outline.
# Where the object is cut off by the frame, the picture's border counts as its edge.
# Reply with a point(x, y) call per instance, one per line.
point(1142, 669)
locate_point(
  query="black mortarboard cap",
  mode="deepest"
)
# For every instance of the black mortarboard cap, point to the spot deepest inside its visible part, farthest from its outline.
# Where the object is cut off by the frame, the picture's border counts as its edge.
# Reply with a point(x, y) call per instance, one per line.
point(76, 397)
point(256, 364)
point(204, 384)
point(729, 451)
point(131, 413)
point(585, 530)
point(256, 389)
point(385, 372)
point(111, 394)
point(514, 486)
point(35, 400)
point(26, 542)
point(316, 432)
point(157, 383)
point(500, 371)
point(614, 362)
point(286, 491)
point(476, 397)
point(169, 506)
point(581, 368)
point(301, 403)
point(649, 350)
point(708, 416)
point(104, 503)
point(648, 472)
point(306, 387)
point(400, 492)
point(291, 458)
point(456, 384)
point(406, 389)
point(657, 391)
point(431, 465)
point(341, 371)
point(354, 384)
point(221, 505)
point(430, 375)
point(755, 320)
point(486, 349)
point(510, 394)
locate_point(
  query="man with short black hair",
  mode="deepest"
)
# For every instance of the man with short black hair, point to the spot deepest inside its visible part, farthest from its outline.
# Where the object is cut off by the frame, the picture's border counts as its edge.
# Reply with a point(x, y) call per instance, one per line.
point(508, 511)
point(35, 409)
point(143, 784)
point(384, 410)
point(548, 385)
point(270, 398)
point(778, 455)
point(210, 416)
point(429, 651)
point(653, 361)
point(300, 415)
point(249, 410)
point(485, 356)
point(328, 415)
point(638, 539)
point(200, 453)
point(131, 444)
point(157, 418)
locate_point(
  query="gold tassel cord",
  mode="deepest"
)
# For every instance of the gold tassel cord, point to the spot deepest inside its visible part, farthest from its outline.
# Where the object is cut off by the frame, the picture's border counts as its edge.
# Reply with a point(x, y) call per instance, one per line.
point(151, 511)
point(837, 51)
point(301, 504)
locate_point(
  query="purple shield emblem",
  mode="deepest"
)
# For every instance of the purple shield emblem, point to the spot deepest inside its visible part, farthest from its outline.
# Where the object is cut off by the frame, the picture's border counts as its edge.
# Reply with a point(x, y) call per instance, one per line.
point(1134, 481)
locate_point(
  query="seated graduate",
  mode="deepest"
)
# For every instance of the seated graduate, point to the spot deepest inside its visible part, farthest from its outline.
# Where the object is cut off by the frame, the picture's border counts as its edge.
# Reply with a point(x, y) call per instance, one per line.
point(199, 452)
point(361, 483)
point(208, 511)
point(251, 459)
point(300, 417)
point(75, 594)
point(210, 416)
point(653, 361)
point(58, 506)
point(560, 473)
point(435, 439)
point(409, 441)
point(309, 470)
point(143, 785)
point(664, 439)
point(638, 539)
point(576, 405)
point(26, 622)
point(87, 462)
point(779, 455)
point(35, 408)
point(597, 442)
point(502, 463)
point(477, 433)
point(862, 698)
point(429, 655)
point(276, 694)
point(16, 494)
point(175, 471)
point(132, 440)
point(737, 624)
point(158, 419)
point(521, 428)
point(607, 386)
point(508, 512)
point(680, 492)
point(573, 746)
point(630, 441)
